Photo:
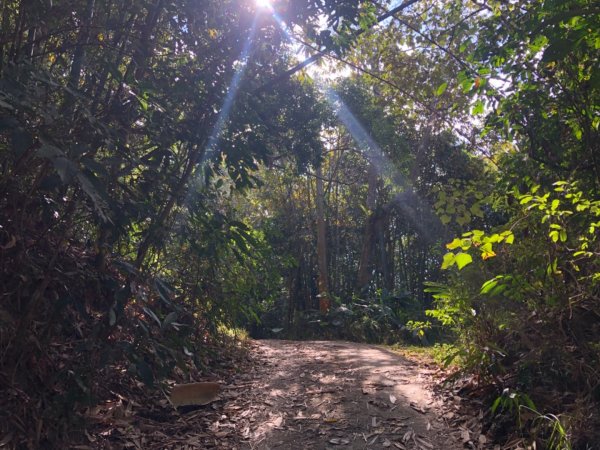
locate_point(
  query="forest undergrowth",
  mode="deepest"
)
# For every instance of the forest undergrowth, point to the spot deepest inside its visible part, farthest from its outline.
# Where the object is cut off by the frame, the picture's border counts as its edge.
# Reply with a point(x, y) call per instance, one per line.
point(61, 359)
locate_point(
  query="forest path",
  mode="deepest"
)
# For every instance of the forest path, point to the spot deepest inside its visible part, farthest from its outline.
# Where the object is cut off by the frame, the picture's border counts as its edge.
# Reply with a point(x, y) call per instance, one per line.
point(327, 395)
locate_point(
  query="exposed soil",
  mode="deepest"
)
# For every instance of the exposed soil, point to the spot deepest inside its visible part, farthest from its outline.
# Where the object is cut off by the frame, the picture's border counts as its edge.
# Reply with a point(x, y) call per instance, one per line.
point(321, 395)
point(300, 395)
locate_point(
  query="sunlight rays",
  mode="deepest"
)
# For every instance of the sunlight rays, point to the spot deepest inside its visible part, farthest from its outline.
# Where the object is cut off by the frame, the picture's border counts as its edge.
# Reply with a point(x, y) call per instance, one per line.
point(223, 116)
point(405, 200)
point(231, 93)
point(373, 152)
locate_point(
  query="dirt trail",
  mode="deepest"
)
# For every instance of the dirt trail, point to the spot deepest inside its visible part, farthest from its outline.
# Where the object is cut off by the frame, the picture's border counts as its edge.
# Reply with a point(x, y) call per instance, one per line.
point(296, 395)
point(326, 395)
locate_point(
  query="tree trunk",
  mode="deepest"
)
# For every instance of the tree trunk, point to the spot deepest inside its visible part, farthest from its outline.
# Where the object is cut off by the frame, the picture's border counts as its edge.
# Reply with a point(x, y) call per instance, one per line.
point(83, 39)
point(323, 283)
point(3, 32)
point(366, 255)
point(390, 280)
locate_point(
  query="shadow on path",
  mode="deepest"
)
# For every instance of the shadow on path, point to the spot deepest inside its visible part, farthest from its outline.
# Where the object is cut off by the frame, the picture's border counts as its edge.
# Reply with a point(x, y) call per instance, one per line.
point(327, 395)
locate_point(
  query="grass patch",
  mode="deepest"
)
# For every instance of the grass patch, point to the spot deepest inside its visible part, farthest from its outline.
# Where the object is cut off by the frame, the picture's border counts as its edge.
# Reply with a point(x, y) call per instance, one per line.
point(236, 334)
point(436, 354)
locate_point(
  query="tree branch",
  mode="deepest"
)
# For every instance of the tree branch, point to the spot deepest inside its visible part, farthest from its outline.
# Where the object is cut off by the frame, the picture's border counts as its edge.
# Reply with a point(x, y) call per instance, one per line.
point(288, 73)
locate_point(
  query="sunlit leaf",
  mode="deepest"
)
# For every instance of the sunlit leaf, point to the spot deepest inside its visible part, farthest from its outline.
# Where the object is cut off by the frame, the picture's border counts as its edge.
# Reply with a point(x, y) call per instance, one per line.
point(449, 260)
point(441, 89)
point(478, 108)
point(456, 243)
point(463, 259)
point(488, 255)
point(489, 285)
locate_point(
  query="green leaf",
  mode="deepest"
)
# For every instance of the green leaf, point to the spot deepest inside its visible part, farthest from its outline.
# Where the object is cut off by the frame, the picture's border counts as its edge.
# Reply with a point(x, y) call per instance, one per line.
point(466, 85)
point(5, 105)
point(463, 220)
point(151, 314)
point(163, 290)
point(527, 400)
point(171, 317)
point(477, 234)
point(465, 244)
point(463, 259)
point(448, 359)
point(494, 238)
point(89, 183)
point(456, 243)
point(478, 108)
point(112, 317)
point(449, 260)
point(496, 404)
point(563, 235)
point(476, 210)
point(489, 285)
point(441, 89)
point(487, 248)
point(557, 50)
point(526, 199)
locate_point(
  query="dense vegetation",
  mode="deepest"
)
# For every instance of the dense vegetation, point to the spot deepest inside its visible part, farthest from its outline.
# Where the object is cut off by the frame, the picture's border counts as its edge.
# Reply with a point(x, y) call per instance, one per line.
point(164, 173)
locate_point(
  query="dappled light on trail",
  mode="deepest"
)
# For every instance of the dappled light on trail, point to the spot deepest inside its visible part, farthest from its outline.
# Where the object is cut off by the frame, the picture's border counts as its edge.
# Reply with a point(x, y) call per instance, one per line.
point(342, 393)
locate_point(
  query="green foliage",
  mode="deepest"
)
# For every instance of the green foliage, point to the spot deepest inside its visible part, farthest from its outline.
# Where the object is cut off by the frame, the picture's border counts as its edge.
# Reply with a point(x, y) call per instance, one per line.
point(448, 355)
point(550, 269)
point(559, 436)
point(357, 321)
point(418, 327)
point(152, 191)
point(460, 201)
point(552, 106)
point(533, 73)
point(512, 403)
point(480, 243)
point(122, 124)
point(238, 334)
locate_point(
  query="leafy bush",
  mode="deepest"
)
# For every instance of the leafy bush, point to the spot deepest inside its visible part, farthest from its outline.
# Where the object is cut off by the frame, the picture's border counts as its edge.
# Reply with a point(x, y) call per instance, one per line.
point(375, 321)
point(524, 301)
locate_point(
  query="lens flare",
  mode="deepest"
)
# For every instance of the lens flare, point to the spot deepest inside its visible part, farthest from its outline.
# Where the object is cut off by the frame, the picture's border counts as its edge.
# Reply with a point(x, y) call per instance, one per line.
point(221, 123)
point(266, 4)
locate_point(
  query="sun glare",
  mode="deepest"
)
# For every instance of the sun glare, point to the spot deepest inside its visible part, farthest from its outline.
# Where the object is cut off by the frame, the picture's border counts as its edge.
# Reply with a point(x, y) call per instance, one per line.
point(264, 4)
